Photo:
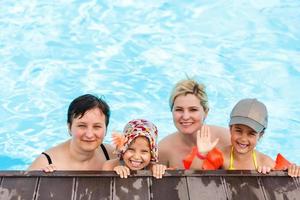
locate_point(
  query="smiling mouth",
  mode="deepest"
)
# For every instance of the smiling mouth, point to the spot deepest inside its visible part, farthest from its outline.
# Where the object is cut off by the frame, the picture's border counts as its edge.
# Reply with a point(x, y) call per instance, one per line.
point(136, 164)
point(89, 140)
point(242, 145)
point(186, 123)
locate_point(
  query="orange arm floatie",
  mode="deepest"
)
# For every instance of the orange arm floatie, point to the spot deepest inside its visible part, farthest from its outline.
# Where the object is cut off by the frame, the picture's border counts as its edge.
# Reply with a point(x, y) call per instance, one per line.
point(281, 163)
point(214, 160)
point(187, 161)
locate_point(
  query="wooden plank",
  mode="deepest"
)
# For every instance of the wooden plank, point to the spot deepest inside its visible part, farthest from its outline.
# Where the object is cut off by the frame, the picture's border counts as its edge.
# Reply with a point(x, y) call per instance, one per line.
point(90, 188)
point(243, 187)
point(206, 187)
point(58, 188)
point(132, 188)
point(174, 188)
point(284, 187)
point(14, 188)
point(177, 184)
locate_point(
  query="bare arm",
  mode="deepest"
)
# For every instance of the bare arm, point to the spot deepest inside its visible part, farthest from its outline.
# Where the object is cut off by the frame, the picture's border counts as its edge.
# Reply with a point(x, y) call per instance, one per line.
point(39, 163)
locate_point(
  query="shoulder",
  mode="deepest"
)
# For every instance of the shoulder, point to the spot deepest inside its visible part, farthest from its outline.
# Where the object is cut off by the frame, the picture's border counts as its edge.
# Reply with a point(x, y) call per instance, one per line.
point(219, 130)
point(110, 149)
point(226, 155)
point(164, 148)
point(110, 164)
point(42, 161)
point(169, 139)
point(264, 159)
point(222, 133)
point(167, 142)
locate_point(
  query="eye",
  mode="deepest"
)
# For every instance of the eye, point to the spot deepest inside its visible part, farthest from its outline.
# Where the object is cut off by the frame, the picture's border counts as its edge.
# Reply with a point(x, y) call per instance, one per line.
point(253, 134)
point(178, 109)
point(130, 149)
point(239, 131)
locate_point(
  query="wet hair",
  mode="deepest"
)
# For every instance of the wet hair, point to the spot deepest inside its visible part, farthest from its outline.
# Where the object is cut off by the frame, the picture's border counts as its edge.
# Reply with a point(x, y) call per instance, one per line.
point(86, 102)
point(190, 86)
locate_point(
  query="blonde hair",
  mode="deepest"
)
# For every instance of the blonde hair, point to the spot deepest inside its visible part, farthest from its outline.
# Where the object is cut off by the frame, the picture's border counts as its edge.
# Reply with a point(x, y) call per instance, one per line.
point(190, 86)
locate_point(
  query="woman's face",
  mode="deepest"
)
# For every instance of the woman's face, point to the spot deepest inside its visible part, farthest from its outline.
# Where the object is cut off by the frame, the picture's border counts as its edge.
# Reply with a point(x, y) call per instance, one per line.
point(188, 114)
point(89, 130)
point(138, 154)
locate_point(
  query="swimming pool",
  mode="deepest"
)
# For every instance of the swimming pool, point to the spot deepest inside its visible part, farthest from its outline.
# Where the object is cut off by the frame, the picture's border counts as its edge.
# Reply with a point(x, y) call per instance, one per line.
point(132, 52)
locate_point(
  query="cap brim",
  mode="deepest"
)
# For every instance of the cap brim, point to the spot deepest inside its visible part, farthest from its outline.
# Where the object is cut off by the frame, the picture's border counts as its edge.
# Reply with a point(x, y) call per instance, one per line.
point(257, 127)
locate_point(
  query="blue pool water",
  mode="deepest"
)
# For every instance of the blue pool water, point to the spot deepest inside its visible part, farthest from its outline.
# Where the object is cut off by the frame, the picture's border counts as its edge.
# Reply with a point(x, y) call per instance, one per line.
point(133, 52)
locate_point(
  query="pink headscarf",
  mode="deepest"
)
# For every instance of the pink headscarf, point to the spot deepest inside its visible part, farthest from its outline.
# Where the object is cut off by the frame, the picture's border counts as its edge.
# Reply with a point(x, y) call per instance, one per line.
point(136, 128)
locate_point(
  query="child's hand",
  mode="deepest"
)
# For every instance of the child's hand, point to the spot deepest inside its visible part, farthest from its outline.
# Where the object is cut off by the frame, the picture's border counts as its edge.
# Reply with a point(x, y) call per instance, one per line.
point(204, 144)
point(123, 171)
point(294, 170)
point(158, 170)
point(264, 169)
point(49, 168)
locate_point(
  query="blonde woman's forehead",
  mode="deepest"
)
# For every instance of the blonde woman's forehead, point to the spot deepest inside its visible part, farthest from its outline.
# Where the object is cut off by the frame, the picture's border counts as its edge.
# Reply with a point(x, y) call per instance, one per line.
point(188, 100)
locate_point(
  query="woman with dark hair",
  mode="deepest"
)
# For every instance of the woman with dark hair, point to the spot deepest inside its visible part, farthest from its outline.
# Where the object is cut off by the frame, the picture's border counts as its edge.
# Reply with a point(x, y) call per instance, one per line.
point(88, 118)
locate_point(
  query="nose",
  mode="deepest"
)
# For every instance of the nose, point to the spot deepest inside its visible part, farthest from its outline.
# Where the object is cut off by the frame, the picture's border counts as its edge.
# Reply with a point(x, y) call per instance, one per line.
point(136, 155)
point(89, 133)
point(244, 136)
point(185, 114)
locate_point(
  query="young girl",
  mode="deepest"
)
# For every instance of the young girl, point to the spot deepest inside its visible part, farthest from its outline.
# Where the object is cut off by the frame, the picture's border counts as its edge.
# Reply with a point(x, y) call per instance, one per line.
point(248, 121)
point(136, 149)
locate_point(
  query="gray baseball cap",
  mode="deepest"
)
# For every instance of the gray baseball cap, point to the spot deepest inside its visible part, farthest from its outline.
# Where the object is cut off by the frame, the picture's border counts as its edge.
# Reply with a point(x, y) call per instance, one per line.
point(250, 112)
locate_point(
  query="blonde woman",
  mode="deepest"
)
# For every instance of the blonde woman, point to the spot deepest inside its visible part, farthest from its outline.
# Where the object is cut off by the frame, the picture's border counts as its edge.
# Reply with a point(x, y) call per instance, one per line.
point(189, 106)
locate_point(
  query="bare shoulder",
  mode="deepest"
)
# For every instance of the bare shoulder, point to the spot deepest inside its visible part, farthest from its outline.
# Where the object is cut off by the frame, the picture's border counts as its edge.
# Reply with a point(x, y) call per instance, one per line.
point(265, 160)
point(41, 161)
point(222, 133)
point(226, 156)
point(168, 140)
point(167, 143)
point(164, 147)
point(110, 164)
point(110, 149)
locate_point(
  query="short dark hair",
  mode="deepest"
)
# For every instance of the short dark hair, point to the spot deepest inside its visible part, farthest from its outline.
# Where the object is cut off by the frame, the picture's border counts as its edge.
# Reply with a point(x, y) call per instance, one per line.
point(84, 103)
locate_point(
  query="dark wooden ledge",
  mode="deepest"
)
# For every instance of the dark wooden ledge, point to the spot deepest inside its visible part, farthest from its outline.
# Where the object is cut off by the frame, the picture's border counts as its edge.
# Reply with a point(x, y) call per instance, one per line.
point(177, 184)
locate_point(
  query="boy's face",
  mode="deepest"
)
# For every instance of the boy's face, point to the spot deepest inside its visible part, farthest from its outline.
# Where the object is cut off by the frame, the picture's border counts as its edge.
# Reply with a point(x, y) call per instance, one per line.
point(243, 138)
point(138, 154)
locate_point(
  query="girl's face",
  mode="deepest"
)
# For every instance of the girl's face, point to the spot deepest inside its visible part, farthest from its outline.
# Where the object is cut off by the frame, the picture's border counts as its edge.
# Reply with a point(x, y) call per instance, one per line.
point(188, 114)
point(243, 138)
point(89, 130)
point(138, 154)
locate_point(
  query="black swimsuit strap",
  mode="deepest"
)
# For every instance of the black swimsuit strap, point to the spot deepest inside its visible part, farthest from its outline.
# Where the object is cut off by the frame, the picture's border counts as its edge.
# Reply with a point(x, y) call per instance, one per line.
point(48, 158)
point(104, 151)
